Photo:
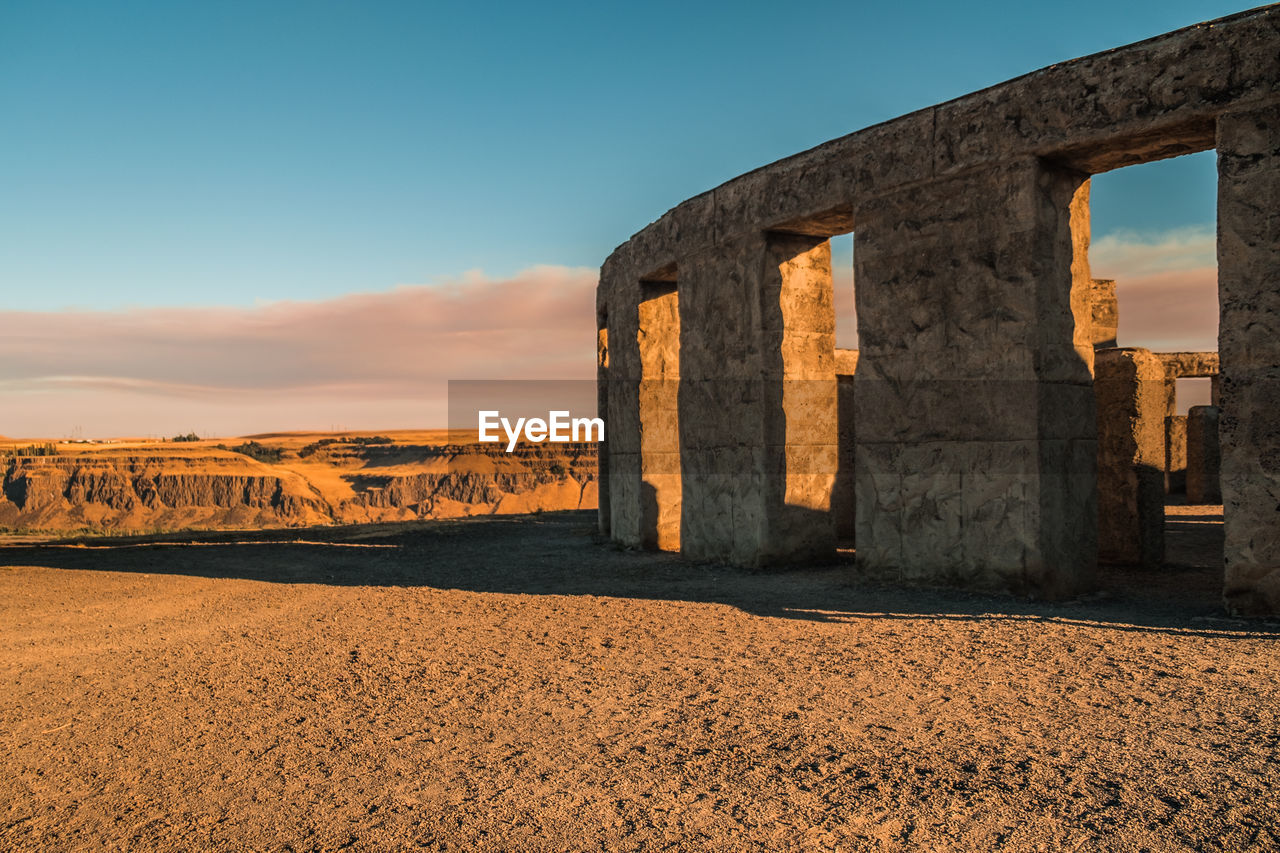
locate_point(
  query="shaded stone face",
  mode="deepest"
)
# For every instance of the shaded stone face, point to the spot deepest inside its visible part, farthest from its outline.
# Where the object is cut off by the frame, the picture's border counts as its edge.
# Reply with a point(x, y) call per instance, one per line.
point(980, 445)
point(1130, 388)
point(1249, 349)
point(1203, 456)
point(843, 503)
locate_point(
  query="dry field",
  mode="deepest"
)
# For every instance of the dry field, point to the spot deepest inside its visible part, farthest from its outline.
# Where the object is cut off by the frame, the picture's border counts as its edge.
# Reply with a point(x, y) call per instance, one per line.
point(514, 684)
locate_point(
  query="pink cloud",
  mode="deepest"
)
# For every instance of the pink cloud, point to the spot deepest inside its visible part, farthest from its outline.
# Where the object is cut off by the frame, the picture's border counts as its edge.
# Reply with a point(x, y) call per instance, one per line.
point(371, 360)
point(1170, 311)
point(1167, 285)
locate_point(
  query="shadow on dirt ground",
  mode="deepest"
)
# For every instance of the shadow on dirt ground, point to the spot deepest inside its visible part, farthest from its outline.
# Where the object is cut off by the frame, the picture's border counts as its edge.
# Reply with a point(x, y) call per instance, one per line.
point(561, 554)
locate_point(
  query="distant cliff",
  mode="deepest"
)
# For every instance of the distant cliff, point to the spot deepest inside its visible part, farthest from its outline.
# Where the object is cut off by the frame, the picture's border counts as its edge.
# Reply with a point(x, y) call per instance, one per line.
point(331, 482)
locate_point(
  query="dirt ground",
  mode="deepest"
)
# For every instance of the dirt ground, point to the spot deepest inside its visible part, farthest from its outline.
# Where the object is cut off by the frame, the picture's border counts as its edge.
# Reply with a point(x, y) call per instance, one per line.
point(515, 684)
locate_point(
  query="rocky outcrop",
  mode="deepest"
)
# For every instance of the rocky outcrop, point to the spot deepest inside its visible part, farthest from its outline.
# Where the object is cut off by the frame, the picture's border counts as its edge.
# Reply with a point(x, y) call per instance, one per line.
point(475, 480)
point(155, 491)
point(128, 492)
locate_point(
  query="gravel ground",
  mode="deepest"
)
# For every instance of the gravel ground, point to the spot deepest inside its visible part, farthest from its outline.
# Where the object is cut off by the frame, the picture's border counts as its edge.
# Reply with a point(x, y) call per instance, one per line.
point(514, 684)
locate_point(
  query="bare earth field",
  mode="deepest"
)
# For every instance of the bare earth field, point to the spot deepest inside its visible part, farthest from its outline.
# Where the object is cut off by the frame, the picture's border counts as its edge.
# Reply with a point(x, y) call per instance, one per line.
point(514, 684)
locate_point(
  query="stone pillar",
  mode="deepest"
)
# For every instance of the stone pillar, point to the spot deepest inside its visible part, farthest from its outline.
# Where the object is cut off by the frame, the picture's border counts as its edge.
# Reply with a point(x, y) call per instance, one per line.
point(1175, 454)
point(1130, 389)
point(619, 290)
point(721, 405)
point(976, 434)
point(1203, 457)
point(758, 401)
point(1106, 313)
point(1248, 146)
point(659, 345)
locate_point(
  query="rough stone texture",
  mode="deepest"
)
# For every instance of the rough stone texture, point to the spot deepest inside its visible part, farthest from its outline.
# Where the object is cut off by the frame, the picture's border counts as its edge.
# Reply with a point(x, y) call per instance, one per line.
point(1203, 457)
point(1170, 396)
point(1129, 384)
point(1249, 348)
point(1106, 313)
point(1175, 454)
point(620, 306)
point(1188, 365)
point(975, 436)
point(976, 442)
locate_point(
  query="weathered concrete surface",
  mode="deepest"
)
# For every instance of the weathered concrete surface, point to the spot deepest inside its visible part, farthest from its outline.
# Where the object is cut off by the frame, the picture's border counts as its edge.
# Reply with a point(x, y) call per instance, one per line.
point(1203, 457)
point(1249, 346)
point(1129, 384)
point(976, 441)
point(975, 436)
point(722, 403)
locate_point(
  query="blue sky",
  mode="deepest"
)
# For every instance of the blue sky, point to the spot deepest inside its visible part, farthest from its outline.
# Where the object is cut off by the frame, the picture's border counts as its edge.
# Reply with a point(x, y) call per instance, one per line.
point(235, 217)
point(233, 153)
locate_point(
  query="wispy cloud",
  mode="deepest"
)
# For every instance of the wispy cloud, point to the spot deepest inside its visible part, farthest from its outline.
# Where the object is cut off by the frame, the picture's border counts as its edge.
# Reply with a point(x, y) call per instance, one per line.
point(1127, 254)
point(1167, 284)
point(367, 360)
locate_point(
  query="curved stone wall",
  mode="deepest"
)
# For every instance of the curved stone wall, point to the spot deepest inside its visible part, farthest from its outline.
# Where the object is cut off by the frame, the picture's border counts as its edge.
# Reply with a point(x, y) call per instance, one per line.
point(975, 448)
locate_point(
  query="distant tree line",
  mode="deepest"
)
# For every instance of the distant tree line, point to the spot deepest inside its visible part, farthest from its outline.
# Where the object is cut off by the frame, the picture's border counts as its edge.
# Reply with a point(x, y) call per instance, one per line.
point(257, 451)
point(47, 449)
point(360, 440)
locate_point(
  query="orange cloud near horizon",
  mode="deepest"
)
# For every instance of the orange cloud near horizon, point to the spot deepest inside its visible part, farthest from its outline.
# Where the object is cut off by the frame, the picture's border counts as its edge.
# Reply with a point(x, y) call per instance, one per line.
point(1169, 312)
